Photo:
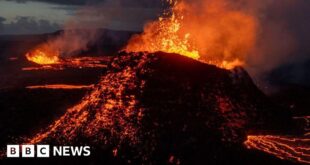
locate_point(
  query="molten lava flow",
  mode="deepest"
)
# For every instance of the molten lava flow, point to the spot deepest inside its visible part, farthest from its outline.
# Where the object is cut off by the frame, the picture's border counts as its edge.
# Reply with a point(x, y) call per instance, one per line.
point(76, 62)
point(43, 67)
point(43, 55)
point(106, 114)
point(283, 147)
point(60, 86)
point(212, 31)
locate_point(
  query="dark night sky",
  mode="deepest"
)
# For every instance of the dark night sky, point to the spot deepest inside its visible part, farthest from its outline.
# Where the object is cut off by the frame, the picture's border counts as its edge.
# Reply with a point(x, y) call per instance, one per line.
point(18, 16)
point(40, 16)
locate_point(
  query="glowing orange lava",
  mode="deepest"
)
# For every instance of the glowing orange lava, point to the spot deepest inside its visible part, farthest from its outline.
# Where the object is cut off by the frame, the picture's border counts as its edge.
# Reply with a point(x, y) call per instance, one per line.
point(164, 35)
point(284, 147)
point(111, 114)
point(43, 55)
point(219, 34)
point(60, 86)
point(76, 62)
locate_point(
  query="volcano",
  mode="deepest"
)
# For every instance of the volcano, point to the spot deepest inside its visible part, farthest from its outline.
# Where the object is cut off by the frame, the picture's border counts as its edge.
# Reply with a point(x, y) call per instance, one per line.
point(166, 108)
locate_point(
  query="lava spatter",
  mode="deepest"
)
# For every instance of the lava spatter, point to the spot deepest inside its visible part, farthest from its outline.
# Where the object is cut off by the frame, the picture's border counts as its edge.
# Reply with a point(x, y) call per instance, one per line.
point(109, 108)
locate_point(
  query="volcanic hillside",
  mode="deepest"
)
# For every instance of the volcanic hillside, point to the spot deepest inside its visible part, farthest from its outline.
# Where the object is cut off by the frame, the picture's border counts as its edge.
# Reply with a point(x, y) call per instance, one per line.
point(163, 107)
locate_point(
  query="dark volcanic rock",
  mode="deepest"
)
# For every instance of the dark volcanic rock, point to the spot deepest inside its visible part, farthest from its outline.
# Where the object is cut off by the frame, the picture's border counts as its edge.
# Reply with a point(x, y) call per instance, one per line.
point(160, 108)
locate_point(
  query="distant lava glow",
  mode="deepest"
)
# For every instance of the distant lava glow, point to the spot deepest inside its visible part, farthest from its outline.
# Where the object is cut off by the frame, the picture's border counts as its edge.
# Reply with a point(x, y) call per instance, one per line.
point(43, 55)
point(73, 62)
point(284, 147)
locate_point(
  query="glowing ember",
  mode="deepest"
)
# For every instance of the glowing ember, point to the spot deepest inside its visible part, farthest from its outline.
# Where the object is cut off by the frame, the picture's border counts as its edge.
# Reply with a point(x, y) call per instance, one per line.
point(283, 147)
point(43, 55)
point(218, 34)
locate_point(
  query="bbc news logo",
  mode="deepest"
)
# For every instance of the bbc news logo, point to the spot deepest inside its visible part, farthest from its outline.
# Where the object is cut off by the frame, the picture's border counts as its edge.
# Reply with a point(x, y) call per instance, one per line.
point(45, 151)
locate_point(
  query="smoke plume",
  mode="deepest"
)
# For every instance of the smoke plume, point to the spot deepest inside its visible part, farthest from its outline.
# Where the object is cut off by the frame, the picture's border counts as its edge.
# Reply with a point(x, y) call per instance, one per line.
point(86, 26)
point(259, 34)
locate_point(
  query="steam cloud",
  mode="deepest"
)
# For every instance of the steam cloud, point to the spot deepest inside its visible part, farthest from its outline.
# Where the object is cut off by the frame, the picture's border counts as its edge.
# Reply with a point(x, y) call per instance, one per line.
point(281, 37)
point(85, 27)
point(276, 43)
